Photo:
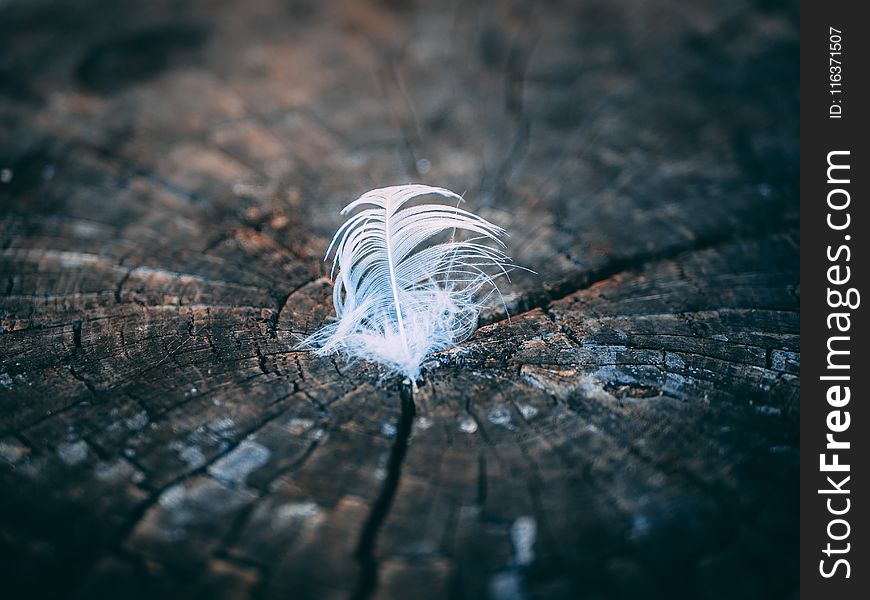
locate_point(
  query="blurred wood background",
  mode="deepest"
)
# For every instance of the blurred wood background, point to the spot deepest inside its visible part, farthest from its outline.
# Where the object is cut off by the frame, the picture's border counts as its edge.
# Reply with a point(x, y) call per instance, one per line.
point(170, 175)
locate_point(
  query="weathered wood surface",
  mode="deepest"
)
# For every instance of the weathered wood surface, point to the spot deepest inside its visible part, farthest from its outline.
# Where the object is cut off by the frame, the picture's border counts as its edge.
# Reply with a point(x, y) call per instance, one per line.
point(170, 177)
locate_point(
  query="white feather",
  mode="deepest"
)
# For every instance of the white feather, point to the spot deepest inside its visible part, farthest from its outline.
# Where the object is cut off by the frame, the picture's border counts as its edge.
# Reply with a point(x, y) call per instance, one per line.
point(396, 300)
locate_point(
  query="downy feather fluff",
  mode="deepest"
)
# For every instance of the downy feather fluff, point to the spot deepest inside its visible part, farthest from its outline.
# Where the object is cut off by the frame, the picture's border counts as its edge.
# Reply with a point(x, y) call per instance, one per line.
point(397, 299)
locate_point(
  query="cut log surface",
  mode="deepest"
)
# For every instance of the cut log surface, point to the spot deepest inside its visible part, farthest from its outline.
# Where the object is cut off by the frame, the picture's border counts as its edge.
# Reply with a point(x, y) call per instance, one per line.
point(170, 176)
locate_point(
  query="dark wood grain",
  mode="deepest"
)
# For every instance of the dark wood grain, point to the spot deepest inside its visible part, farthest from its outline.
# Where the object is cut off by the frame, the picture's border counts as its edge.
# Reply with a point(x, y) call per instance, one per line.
point(171, 175)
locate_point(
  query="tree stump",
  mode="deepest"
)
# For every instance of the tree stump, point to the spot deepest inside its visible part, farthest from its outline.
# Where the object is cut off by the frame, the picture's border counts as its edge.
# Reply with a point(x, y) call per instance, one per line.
point(171, 176)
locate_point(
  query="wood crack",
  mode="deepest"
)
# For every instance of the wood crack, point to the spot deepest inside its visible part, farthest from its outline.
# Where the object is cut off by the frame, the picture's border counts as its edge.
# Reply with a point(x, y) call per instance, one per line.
point(586, 279)
point(365, 552)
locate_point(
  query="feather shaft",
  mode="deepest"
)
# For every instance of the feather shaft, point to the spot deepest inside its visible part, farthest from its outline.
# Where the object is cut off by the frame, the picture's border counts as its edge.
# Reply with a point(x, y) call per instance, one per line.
point(393, 285)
